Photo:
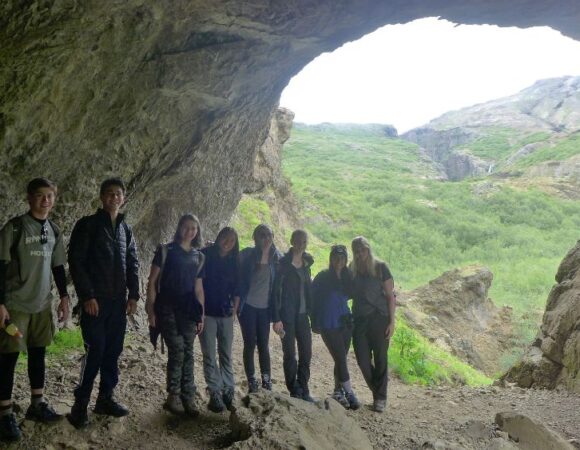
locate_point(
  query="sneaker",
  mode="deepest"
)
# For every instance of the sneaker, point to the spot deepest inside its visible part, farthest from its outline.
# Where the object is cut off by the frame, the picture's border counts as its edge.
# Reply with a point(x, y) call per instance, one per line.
point(228, 398)
point(338, 395)
point(110, 407)
point(266, 382)
point(9, 430)
point(173, 404)
point(353, 402)
point(78, 416)
point(253, 386)
point(190, 407)
point(43, 412)
point(379, 405)
point(216, 403)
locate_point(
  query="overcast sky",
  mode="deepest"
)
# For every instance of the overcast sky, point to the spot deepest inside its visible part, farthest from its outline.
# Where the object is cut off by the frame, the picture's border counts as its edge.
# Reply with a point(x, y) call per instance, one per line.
point(406, 75)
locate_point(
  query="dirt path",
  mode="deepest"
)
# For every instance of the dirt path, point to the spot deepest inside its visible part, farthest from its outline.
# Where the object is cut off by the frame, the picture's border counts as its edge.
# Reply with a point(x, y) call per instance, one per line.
point(458, 415)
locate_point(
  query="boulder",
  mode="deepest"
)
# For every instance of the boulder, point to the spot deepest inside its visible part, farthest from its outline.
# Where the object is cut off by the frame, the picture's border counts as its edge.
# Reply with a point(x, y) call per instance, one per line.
point(276, 420)
point(530, 434)
point(554, 357)
point(455, 312)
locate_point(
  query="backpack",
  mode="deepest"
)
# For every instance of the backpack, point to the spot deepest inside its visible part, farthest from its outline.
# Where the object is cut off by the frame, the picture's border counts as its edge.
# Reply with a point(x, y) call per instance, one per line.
point(17, 232)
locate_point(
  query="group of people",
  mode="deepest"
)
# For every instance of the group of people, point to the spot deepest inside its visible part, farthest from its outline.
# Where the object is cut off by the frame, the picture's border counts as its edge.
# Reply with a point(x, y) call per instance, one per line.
point(192, 291)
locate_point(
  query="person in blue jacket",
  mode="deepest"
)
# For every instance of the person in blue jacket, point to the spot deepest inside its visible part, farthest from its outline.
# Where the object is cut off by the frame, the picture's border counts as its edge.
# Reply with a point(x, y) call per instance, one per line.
point(331, 317)
point(257, 271)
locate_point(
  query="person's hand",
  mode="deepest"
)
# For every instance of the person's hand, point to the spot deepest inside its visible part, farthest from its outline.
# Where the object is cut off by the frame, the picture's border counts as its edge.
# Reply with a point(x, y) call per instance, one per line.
point(91, 307)
point(4, 315)
point(278, 327)
point(63, 308)
point(199, 327)
point(390, 331)
point(131, 306)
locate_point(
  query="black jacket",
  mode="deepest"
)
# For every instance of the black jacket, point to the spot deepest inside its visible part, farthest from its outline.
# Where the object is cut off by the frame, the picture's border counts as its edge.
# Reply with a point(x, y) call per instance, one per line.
point(103, 261)
point(221, 282)
point(285, 297)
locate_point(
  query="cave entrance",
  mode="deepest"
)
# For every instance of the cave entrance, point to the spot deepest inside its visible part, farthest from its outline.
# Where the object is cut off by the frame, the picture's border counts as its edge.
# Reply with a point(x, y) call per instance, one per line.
point(480, 186)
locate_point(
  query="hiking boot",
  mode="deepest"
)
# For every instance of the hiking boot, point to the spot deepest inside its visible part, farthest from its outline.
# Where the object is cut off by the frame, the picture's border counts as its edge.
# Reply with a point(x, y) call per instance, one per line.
point(379, 405)
point(339, 396)
point(9, 429)
point(43, 412)
point(78, 416)
point(307, 398)
point(266, 382)
point(353, 402)
point(216, 403)
point(110, 407)
point(190, 407)
point(173, 404)
point(253, 386)
point(228, 398)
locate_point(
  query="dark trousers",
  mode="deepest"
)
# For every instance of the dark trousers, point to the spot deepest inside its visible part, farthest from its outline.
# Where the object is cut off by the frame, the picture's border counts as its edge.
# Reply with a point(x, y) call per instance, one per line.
point(255, 324)
point(337, 340)
point(297, 373)
point(36, 370)
point(370, 348)
point(103, 336)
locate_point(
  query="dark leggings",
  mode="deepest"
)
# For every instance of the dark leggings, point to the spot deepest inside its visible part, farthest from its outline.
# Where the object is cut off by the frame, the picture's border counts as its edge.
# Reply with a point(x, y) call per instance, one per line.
point(255, 324)
point(36, 370)
point(337, 340)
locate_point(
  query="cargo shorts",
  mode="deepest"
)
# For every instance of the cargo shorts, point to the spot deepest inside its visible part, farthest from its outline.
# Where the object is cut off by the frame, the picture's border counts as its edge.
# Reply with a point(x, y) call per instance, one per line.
point(37, 329)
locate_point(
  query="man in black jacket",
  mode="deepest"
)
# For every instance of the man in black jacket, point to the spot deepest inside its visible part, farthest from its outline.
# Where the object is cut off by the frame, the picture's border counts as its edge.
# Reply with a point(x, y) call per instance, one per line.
point(103, 264)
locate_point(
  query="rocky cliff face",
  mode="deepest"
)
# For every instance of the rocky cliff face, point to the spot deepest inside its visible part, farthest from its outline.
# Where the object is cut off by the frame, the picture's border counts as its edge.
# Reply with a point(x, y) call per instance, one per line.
point(455, 312)
point(175, 97)
point(554, 357)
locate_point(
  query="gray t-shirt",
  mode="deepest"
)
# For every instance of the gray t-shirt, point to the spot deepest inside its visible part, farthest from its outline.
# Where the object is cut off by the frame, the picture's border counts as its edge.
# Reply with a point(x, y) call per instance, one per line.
point(302, 276)
point(368, 295)
point(259, 287)
point(28, 282)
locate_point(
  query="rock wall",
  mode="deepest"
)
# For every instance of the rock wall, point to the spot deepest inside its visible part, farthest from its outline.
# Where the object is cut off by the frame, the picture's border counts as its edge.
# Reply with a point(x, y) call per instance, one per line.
point(176, 97)
point(554, 357)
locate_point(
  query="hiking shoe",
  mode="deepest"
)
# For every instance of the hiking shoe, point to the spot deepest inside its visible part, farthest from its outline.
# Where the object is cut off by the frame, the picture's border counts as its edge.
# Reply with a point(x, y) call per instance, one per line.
point(266, 382)
point(173, 404)
point(43, 412)
point(379, 405)
point(228, 398)
point(353, 402)
point(307, 398)
point(78, 416)
point(216, 403)
point(253, 386)
point(110, 407)
point(339, 396)
point(9, 429)
point(190, 407)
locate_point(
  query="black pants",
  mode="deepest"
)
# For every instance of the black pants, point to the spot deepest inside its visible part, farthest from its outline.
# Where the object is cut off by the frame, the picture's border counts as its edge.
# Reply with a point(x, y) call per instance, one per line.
point(337, 340)
point(255, 324)
point(103, 336)
point(297, 373)
point(36, 370)
point(370, 348)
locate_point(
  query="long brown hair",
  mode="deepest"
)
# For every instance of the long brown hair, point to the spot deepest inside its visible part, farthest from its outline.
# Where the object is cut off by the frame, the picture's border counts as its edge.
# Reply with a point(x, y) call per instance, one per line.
point(196, 241)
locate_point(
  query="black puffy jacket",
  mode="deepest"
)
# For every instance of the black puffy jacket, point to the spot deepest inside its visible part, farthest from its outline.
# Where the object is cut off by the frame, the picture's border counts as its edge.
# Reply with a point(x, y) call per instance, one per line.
point(103, 261)
point(285, 296)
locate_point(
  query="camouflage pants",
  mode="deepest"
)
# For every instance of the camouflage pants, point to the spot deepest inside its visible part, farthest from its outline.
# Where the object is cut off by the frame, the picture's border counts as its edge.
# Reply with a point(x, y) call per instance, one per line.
point(178, 332)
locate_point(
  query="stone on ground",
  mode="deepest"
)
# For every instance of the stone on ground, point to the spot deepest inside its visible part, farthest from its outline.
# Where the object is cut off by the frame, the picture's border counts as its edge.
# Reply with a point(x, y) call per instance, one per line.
point(529, 434)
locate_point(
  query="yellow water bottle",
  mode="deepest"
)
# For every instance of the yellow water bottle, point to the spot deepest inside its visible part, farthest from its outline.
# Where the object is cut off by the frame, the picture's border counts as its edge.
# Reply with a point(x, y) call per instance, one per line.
point(12, 330)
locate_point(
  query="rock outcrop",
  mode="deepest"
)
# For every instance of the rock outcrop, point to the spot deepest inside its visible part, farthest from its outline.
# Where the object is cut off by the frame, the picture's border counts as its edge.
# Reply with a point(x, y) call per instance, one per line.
point(554, 357)
point(530, 434)
point(275, 420)
point(175, 97)
point(455, 312)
